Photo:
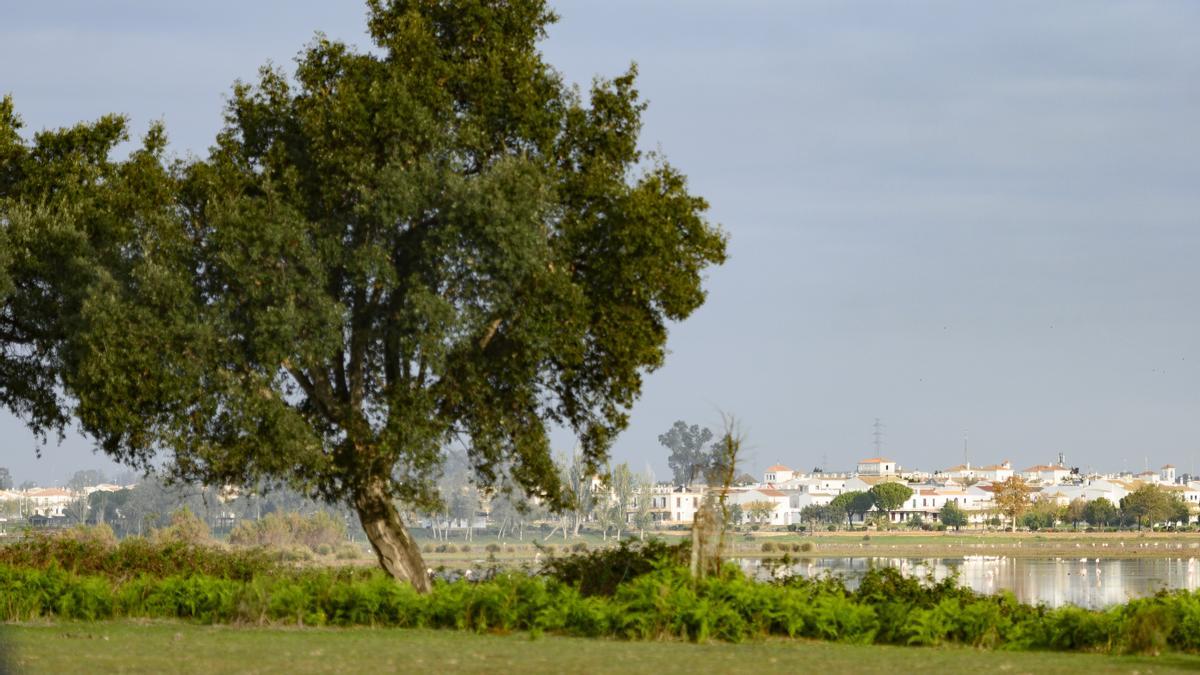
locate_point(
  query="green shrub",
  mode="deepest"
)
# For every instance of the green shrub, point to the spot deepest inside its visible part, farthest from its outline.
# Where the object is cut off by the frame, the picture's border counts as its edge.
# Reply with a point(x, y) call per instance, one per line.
point(768, 547)
point(288, 530)
point(602, 571)
point(133, 556)
point(654, 598)
point(185, 528)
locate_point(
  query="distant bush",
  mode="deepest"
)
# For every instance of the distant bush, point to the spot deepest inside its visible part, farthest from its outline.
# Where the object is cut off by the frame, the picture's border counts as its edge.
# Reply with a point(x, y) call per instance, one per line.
point(80, 552)
point(289, 530)
point(91, 535)
point(493, 548)
point(580, 547)
point(602, 571)
point(768, 547)
point(806, 547)
point(185, 528)
point(348, 551)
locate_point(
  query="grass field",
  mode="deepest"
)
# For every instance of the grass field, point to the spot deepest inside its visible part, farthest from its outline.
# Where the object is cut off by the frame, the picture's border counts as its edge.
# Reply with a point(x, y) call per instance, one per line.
point(174, 647)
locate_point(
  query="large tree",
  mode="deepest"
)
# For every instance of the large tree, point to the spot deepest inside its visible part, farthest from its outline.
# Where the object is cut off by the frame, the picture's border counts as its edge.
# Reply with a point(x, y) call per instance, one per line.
point(890, 496)
point(952, 515)
point(1012, 498)
point(691, 458)
point(1149, 503)
point(1100, 512)
point(434, 241)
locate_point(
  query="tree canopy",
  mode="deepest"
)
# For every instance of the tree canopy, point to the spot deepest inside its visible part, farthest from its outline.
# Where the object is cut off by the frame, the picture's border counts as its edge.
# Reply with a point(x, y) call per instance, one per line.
point(434, 242)
point(890, 496)
point(1012, 498)
point(1149, 504)
point(952, 515)
point(691, 457)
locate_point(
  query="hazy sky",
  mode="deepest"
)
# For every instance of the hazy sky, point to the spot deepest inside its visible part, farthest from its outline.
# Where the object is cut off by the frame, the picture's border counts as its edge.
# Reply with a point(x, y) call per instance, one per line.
point(951, 216)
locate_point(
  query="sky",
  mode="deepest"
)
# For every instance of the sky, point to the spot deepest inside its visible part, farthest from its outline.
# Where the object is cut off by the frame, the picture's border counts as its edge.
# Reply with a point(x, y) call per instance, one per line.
point(976, 222)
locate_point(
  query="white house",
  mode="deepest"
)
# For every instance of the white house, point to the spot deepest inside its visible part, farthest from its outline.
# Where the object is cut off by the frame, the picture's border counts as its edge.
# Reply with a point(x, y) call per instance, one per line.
point(778, 474)
point(1167, 474)
point(49, 501)
point(877, 466)
point(997, 473)
point(1049, 474)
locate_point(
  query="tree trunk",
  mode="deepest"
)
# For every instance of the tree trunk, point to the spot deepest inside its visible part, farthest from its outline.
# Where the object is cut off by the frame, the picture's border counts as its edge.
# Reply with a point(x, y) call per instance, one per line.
point(398, 554)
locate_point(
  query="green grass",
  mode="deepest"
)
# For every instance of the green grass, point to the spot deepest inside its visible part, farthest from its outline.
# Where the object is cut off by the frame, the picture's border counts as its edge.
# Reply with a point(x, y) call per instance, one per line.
point(143, 646)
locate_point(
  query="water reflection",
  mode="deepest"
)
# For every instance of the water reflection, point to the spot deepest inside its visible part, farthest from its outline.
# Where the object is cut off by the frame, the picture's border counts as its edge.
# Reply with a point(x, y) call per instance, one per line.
point(1085, 582)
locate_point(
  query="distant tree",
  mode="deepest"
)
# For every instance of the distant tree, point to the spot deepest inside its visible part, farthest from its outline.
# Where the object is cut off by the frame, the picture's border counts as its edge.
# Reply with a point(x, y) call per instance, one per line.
point(27, 485)
point(737, 515)
point(890, 496)
point(643, 516)
point(690, 458)
point(6, 481)
point(915, 522)
point(760, 511)
point(1149, 504)
point(849, 503)
point(1075, 512)
point(1181, 512)
point(952, 516)
point(862, 503)
point(105, 507)
point(85, 478)
point(622, 486)
point(76, 511)
point(1100, 512)
point(1012, 498)
point(1042, 514)
point(814, 514)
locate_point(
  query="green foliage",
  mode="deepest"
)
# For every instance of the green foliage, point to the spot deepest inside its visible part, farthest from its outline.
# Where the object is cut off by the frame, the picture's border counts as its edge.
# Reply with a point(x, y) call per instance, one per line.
point(435, 238)
point(185, 528)
point(81, 552)
point(664, 602)
point(601, 571)
point(951, 515)
point(890, 496)
point(1149, 504)
point(691, 459)
point(290, 530)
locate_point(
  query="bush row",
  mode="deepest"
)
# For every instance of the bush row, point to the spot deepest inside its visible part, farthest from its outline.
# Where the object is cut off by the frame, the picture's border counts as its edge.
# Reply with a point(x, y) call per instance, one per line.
point(664, 603)
point(88, 551)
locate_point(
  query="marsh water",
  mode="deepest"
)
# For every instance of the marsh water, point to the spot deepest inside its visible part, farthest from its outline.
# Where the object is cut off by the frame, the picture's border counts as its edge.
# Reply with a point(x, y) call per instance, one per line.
point(1090, 582)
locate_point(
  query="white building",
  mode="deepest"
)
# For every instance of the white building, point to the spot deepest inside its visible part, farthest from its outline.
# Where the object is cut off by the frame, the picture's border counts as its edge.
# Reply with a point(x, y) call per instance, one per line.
point(877, 466)
point(778, 474)
point(49, 501)
point(1167, 474)
point(996, 473)
point(1048, 474)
